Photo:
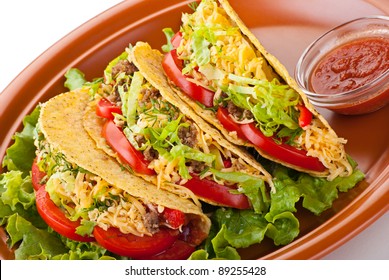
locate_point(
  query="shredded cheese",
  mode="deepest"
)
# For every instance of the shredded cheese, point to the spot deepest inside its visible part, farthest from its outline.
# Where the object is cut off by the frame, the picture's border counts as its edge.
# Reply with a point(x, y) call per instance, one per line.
point(125, 212)
point(231, 53)
point(324, 144)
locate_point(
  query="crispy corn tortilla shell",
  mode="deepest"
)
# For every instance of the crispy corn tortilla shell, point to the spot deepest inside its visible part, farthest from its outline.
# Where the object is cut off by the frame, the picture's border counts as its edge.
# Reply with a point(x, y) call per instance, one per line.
point(149, 62)
point(61, 122)
point(280, 69)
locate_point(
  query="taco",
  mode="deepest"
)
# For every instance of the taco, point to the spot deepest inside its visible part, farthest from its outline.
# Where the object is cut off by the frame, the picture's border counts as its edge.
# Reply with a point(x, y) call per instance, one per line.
point(135, 118)
point(86, 195)
point(224, 73)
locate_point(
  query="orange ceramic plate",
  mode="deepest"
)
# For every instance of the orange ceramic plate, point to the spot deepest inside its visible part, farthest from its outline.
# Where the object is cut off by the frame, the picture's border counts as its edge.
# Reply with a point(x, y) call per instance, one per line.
point(285, 30)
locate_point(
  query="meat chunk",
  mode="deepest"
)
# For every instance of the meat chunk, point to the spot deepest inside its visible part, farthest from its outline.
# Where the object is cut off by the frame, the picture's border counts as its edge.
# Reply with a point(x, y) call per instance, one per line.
point(188, 135)
point(195, 166)
point(124, 66)
point(238, 113)
point(151, 221)
point(148, 94)
point(150, 153)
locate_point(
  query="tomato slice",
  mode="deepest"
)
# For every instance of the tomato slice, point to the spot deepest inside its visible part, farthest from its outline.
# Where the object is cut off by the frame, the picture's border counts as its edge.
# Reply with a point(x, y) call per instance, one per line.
point(56, 219)
point(217, 193)
point(36, 176)
point(305, 117)
point(133, 246)
point(281, 151)
point(106, 108)
point(173, 69)
point(228, 123)
point(180, 250)
point(120, 144)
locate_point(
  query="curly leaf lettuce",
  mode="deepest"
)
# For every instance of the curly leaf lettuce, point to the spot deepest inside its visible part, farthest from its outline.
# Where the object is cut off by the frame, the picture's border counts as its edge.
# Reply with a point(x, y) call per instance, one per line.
point(35, 243)
point(240, 229)
point(21, 154)
point(74, 79)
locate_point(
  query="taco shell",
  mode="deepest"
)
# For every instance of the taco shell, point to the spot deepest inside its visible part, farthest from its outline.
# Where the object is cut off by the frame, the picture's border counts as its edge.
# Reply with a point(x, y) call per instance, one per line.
point(330, 144)
point(61, 122)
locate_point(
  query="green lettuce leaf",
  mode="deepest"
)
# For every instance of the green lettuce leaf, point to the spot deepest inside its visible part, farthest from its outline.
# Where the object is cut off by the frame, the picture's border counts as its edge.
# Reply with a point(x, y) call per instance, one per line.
point(216, 247)
point(318, 194)
point(16, 189)
point(83, 251)
point(35, 243)
point(169, 33)
point(283, 229)
point(242, 227)
point(74, 79)
point(21, 154)
point(232, 228)
point(251, 186)
point(130, 97)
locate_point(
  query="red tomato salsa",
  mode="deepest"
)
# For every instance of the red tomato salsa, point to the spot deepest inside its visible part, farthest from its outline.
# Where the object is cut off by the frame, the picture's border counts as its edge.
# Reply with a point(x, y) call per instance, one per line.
point(351, 65)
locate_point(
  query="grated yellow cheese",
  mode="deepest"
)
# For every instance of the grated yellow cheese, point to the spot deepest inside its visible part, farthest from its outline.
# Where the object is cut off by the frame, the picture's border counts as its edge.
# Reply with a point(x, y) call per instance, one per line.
point(125, 213)
point(231, 53)
point(324, 144)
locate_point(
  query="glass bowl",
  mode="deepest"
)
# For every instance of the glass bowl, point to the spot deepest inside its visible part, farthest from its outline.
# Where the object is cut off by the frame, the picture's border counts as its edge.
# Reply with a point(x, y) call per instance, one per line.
point(366, 98)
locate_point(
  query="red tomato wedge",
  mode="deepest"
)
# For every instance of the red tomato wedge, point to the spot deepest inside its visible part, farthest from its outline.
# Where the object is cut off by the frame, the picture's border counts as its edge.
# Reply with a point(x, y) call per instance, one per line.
point(305, 117)
point(130, 245)
point(56, 219)
point(217, 193)
point(120, 144)
point(282, 152)
point(175, 218)
point(173, 69)
point(36, 176)
point(106, 108)
point(179, 251)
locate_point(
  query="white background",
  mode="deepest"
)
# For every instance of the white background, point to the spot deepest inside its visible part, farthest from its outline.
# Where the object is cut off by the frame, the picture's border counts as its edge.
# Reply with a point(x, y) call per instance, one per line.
point(28, 28)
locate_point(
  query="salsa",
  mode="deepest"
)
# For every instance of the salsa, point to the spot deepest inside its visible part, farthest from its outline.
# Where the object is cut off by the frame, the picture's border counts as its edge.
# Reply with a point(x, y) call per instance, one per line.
point(351, 66)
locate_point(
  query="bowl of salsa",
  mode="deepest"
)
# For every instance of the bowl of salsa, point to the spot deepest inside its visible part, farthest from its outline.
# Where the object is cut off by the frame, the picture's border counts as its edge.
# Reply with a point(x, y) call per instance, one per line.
point(346, 70)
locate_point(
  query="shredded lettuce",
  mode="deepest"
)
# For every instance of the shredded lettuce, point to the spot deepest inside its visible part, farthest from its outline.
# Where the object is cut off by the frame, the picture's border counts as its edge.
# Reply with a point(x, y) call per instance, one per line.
point(271, 103)
point(166, 141)
point(201, 39)
point(130, 98)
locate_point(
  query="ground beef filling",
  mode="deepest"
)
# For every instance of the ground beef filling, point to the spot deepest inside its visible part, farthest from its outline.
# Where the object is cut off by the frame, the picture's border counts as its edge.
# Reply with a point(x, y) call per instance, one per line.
point(148, 94)
point(188, 135)
point(238, 113)
point(124, 66)
point(151, 221)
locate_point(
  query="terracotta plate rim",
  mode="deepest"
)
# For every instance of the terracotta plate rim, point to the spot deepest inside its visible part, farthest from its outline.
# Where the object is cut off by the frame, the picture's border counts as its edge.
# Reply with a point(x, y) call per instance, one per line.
point(367, 207)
